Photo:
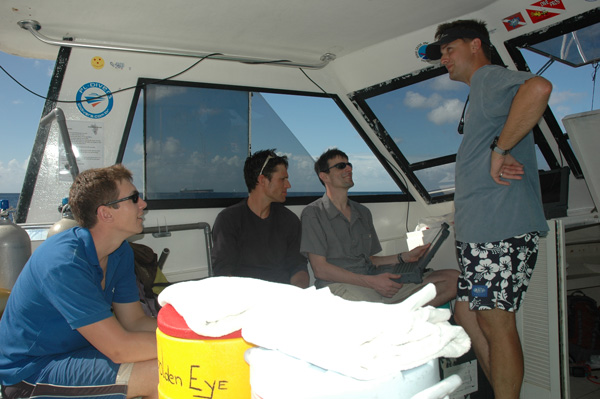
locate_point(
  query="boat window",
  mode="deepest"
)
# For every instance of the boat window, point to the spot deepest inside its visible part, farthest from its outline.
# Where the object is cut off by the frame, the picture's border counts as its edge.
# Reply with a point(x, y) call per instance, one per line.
point(190, 142)
point(422, 120)
point(576, 48)
point(133, 158)
point(575, 44)
point(569, 96)
point(416, 116)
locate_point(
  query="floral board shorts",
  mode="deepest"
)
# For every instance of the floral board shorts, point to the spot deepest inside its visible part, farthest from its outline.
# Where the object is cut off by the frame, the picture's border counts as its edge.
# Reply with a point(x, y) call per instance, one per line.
point(496, 274)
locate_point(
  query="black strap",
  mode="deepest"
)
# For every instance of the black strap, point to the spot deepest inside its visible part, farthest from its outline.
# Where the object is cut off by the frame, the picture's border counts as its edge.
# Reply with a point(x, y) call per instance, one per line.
point(20, 390)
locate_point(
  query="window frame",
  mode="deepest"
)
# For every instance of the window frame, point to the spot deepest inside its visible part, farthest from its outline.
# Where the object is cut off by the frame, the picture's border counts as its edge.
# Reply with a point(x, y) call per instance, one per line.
point(513, 45)
point(155, 204)
point(360, 98)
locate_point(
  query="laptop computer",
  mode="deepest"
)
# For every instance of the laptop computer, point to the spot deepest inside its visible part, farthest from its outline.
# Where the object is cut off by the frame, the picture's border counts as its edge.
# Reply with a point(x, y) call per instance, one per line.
point(412, 272)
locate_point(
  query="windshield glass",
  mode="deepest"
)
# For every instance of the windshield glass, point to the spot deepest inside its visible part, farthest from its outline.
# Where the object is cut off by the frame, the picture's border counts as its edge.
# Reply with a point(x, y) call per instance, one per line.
point(418, 114)
point(577, 48)
point(191, 142)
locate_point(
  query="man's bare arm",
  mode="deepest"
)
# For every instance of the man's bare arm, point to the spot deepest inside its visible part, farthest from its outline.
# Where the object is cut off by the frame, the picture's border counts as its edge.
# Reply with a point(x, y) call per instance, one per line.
point(118, 344)
point(381, 283)
point(300, 279)
point(527, 108)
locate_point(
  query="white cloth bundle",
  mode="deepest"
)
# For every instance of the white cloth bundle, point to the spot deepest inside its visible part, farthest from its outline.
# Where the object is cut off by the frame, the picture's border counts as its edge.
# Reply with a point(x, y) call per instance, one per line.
point(360, 339)
point(217, 306)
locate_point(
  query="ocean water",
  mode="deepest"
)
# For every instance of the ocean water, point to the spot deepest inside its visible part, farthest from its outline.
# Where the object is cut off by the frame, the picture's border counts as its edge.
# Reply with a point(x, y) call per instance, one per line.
point(12, 198)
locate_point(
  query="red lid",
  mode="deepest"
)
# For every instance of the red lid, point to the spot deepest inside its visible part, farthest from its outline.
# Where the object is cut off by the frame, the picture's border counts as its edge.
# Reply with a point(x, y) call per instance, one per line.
point(173, 324)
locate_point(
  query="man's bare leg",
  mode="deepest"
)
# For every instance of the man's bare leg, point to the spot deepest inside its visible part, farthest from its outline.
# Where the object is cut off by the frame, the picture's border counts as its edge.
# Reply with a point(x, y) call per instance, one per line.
point(467, 319)
point(506, 354)
point(445, 285)
point(144, 380)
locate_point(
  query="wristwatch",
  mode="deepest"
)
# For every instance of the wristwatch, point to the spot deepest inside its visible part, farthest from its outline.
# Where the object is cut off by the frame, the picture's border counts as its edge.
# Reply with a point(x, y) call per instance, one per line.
point(494, 147)
point(400, 260)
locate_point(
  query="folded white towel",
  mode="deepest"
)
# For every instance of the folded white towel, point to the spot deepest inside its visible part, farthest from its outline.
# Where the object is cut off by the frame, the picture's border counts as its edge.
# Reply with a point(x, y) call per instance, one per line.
point(216, 306)
point(363, 340)
point(360, 339)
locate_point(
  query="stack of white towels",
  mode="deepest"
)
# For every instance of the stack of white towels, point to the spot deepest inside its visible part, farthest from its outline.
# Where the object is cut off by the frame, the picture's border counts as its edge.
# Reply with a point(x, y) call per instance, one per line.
point(362, 340)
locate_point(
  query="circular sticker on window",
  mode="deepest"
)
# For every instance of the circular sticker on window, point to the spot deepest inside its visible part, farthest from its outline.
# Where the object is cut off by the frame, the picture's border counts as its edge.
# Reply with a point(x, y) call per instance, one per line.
point(94, 100)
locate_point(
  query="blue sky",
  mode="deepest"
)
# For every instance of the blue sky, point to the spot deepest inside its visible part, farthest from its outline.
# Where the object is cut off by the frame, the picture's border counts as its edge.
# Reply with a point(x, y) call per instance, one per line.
point(20, 113)
point(20, 110)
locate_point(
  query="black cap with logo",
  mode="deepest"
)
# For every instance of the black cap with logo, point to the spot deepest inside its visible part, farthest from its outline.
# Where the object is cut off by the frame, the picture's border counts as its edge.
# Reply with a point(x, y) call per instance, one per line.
point(433, 51)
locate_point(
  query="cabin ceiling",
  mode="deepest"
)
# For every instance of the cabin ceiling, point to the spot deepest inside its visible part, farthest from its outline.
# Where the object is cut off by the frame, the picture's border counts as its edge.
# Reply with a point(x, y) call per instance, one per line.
point(274, 29)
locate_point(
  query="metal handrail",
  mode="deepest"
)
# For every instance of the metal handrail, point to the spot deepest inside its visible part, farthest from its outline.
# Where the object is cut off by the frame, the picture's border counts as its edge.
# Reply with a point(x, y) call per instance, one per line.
point(191, 226)
point(59, 115)
point(34, 26)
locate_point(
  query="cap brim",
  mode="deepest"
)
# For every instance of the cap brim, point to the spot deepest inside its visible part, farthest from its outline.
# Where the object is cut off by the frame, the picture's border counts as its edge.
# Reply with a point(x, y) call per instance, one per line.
point(433, 50)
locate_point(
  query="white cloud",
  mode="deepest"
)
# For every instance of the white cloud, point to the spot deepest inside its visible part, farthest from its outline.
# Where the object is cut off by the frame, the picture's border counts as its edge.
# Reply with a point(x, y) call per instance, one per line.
point(161, 92)
point(369, 175)
point(138, 149)
point(169, 148)
point(417, 100)
point(444, 83)
point(448, 112)
point(12, 175)
point(564, 103)
point(564, 98)
point(443, 110)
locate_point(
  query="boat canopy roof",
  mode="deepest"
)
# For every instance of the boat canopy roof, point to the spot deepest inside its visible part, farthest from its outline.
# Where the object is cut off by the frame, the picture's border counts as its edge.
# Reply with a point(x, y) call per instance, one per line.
point(370, 81)
point(300, 31)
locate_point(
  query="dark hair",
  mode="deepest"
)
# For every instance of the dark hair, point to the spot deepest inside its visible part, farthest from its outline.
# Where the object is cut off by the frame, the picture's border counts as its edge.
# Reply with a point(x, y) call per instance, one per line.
point(480, 27)
point(321, 164)
point(255, 162)
point(92, 188)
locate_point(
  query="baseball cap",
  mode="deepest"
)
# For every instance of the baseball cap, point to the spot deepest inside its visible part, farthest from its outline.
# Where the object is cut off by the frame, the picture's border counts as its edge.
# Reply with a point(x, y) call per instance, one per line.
point(433, 51)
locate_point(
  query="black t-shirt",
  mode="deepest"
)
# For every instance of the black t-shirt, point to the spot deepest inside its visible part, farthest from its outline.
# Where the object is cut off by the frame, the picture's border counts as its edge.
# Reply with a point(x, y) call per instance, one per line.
point(245, 245)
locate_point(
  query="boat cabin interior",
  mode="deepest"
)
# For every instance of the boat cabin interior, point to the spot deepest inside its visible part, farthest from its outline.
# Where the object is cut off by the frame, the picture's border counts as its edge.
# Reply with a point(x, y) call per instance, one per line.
point(182, 92)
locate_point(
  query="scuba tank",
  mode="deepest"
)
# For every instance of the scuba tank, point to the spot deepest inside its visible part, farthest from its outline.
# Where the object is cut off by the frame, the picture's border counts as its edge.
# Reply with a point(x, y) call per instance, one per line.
point(67, 220)
point(15, 248)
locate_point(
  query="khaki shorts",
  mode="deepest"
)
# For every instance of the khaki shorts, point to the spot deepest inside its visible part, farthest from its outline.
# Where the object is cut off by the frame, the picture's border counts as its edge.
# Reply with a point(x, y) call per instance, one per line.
point(357, 293)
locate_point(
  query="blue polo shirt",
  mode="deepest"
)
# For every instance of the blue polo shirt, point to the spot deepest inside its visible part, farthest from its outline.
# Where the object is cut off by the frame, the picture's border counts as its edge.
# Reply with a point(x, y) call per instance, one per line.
point(58, 291)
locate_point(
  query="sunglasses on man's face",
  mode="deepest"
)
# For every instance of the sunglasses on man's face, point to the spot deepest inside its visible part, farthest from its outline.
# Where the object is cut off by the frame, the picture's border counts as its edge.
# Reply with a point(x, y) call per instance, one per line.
point(339, 165)
point(133, 197)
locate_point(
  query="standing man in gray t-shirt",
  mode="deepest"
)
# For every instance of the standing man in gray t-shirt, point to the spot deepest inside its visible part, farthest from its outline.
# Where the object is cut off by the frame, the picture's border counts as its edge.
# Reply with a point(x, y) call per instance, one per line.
point(340, 241)
point(498, 208)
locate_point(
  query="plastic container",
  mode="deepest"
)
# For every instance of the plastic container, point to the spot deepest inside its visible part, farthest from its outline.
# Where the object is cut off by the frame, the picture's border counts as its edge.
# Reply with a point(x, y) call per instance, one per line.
point(275, 375)
point(193, 366)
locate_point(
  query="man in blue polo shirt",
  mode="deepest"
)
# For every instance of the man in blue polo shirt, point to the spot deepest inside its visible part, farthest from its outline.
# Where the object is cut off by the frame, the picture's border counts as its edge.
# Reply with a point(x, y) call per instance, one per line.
point(73, 325)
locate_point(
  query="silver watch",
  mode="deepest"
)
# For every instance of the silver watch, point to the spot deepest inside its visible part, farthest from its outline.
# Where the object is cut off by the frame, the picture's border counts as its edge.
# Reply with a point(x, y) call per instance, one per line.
point(494, 147)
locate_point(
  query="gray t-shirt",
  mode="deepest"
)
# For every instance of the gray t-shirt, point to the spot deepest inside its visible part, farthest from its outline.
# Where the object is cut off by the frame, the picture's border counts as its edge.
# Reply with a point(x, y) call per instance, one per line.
point(484, 210)
point(347, 244)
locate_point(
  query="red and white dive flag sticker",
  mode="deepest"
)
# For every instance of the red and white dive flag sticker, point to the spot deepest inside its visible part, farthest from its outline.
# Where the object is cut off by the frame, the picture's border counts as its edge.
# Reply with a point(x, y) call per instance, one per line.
point(514, 21)
point(545, 9)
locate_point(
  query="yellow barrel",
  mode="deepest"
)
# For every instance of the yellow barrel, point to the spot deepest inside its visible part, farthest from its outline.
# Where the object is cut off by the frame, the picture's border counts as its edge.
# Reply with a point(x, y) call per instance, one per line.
point(194, 366)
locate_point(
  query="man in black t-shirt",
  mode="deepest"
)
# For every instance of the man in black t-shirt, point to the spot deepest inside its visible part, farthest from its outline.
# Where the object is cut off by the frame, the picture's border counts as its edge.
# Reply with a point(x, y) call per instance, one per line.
point(259, 237)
